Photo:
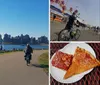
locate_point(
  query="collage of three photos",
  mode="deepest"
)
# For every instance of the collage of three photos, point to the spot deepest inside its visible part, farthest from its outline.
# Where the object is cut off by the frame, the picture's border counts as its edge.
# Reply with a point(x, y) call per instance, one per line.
point(49, 42)
point(74, 46)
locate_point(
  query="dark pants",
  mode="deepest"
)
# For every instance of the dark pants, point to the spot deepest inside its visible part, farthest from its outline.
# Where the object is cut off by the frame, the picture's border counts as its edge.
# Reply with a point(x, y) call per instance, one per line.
point(28, 56)
point(69, 27)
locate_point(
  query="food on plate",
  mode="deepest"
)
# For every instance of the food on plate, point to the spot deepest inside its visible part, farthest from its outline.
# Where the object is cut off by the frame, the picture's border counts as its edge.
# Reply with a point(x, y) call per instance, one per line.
point(62, 60)
point(82, 61)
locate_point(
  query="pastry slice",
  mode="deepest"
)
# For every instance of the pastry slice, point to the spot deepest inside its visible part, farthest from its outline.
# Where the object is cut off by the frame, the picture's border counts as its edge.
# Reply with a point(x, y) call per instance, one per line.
point(62, 60)
point(82, 61)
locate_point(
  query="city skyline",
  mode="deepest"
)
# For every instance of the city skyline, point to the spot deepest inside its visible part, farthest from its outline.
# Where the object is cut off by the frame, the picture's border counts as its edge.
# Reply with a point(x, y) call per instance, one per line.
point(2, 36)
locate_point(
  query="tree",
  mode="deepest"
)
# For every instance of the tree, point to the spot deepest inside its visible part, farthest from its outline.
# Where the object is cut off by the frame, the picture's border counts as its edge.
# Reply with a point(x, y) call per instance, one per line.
point(43, 39)
point(33, 40)
point(0, 39)
point(7, 38)
point(24, 39)
point(21, 37)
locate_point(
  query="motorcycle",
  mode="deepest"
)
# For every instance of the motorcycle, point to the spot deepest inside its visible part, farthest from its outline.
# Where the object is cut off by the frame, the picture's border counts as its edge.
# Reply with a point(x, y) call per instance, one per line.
point(28, 58)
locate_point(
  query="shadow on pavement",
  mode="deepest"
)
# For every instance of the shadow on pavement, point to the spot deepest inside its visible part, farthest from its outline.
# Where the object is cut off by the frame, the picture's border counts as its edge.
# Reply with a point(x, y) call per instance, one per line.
point(40, 66)
point(45, 67)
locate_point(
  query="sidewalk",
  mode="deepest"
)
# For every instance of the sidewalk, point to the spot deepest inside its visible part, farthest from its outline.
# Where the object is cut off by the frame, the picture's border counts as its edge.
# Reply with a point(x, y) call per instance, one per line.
point(13, 70)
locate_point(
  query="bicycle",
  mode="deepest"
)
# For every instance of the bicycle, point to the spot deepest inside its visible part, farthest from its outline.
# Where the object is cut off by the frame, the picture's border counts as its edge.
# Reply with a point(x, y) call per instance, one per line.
point(64, 35)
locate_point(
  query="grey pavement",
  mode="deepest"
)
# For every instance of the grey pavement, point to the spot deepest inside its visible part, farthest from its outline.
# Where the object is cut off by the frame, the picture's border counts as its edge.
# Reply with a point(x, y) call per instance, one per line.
point(86, 34)
point(13, 70)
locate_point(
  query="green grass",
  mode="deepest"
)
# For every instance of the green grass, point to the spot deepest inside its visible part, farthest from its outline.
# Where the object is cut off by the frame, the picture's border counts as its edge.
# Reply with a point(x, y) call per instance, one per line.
point(43, 61)
point(3, 52)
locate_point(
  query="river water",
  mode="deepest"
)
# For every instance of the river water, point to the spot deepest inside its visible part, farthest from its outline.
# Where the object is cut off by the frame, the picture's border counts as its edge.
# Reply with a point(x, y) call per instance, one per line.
point(21, 47)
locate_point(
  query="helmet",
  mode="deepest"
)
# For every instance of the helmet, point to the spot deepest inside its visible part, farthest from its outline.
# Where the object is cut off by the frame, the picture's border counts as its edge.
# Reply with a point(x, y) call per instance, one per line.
point(27, 44)
point(76, 11)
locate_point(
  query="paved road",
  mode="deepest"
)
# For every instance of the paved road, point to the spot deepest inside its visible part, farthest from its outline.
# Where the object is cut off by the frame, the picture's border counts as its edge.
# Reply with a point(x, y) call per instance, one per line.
point(86, 34)
point(13, 70)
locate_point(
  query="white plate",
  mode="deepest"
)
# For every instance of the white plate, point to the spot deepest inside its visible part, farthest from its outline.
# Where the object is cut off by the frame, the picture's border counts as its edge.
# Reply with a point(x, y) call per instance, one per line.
point(58, 74)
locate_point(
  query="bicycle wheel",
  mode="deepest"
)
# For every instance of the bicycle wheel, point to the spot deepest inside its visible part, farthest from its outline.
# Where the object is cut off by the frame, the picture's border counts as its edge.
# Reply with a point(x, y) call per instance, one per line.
point(62, 36)
point(54, 37)
point(77, 35)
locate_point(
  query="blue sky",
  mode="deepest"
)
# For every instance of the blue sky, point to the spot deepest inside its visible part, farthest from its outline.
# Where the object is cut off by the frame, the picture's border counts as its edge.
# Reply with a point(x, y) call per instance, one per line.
point(24, 17)
point(89, 10)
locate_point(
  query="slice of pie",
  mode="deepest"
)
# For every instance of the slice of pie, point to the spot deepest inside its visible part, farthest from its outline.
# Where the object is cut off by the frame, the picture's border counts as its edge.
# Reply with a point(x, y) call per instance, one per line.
point(62, 60)
point(82, 61)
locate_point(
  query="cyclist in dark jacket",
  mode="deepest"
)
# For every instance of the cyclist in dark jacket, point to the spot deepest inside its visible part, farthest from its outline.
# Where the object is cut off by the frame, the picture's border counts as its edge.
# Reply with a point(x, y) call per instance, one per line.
point(70, 23)
point(28, 52)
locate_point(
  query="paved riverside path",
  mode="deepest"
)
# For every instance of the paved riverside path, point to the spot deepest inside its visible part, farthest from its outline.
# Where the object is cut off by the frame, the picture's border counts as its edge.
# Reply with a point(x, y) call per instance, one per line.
point(86, 34)
point(13, 70)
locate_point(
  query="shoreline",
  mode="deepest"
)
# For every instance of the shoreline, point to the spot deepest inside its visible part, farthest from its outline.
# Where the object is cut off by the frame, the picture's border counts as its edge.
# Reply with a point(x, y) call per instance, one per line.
point(5, 52)
point(25, 44)
point(11, 47)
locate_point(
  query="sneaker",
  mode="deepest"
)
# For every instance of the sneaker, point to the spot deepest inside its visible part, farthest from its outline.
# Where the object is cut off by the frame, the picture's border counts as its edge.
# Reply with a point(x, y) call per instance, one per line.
point(27, 64)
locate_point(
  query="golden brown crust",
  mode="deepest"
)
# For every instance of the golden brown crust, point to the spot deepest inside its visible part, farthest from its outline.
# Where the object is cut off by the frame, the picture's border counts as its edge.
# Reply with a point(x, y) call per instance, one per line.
point(82, 61)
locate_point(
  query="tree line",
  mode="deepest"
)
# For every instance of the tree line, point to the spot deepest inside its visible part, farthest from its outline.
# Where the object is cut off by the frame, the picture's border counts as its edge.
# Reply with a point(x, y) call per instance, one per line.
point(23, 39)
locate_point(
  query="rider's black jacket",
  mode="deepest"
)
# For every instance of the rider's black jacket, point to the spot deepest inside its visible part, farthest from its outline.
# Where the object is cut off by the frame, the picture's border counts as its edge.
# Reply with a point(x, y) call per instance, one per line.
point(28, 52)
point(70, 22)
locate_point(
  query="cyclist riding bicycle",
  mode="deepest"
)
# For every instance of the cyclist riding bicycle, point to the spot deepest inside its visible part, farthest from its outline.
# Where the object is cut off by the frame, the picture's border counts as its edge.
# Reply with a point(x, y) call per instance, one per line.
point(71, 22)
point(68, 33)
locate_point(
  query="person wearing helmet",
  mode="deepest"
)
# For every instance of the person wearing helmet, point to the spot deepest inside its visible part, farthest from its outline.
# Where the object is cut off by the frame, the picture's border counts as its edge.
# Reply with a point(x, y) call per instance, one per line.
point(28, 50)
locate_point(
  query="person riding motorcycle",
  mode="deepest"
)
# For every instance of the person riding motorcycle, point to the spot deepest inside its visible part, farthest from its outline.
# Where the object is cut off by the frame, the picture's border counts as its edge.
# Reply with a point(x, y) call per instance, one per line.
point(28, 55)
